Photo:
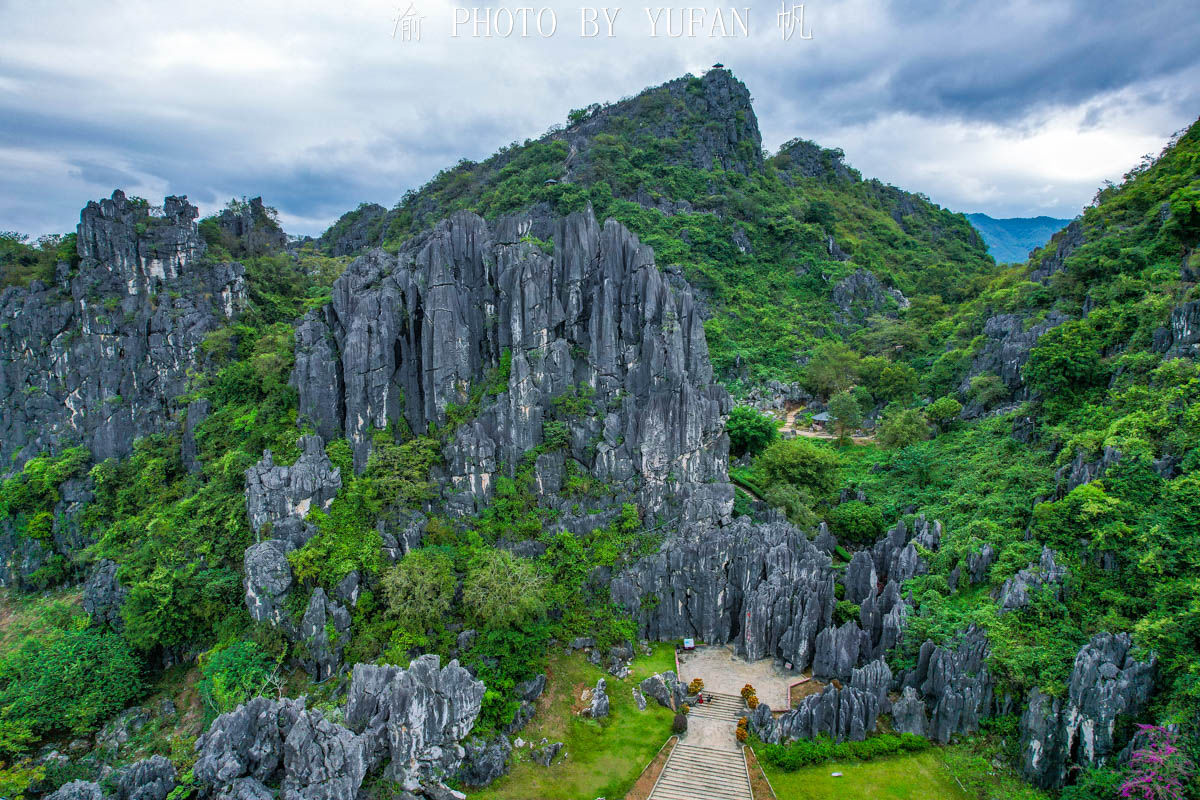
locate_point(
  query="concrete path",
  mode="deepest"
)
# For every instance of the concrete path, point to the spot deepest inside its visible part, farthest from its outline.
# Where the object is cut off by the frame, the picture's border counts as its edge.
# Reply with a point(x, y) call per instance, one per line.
point(702, 773)
point(724, 672)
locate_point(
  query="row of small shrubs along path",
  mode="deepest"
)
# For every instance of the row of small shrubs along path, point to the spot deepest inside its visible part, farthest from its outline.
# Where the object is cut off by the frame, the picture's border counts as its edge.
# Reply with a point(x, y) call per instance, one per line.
point(709, 763)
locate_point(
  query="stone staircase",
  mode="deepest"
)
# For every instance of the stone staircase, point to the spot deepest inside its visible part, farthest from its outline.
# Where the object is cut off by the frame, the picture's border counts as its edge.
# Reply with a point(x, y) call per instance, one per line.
point(720, 706)
point(703, 773)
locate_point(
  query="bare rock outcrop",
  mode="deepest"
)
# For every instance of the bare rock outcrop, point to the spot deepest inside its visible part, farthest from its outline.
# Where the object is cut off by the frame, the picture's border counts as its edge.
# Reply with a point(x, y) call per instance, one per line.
point(1057, 734)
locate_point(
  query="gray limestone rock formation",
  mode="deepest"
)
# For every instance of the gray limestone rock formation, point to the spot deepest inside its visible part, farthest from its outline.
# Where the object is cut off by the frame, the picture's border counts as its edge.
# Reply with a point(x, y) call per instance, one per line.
point(1181, 339)
point(842, 714)
point(764, 587)
point(150, 779)
point(1080, 471)
point(279, 742)
point(268, 577)
point(592, 337)
point(875, 677)
point(103, 595)
point(979, 562)
point(1006, 345)
point(599, 706)
point(860, 579)
point(322, 656)
point(839, 651)
point(414, 718)
point(955, 684)
point(78, 790)
point(664, 688)
point(861, 295)
point(102, 355)
point(909, 715)
point(485, 760)
point(280, 495)
point(1015, 593)
point(1106, 682)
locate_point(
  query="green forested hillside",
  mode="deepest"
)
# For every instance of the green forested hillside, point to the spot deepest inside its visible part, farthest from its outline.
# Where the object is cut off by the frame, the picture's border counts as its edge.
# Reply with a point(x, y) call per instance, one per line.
point(766, 241)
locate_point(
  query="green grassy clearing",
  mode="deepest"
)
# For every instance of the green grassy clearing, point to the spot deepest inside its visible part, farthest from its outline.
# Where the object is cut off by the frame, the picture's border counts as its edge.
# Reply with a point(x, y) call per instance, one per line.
point(916, 776)
point(603, 759)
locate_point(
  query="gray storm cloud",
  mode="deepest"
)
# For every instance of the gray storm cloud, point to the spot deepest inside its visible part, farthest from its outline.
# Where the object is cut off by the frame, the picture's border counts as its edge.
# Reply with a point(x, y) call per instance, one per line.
point(1008, 108)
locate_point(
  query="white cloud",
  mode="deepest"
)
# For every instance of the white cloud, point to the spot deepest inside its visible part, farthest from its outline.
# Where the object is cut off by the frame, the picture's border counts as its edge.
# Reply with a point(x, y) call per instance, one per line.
point(1008, 108)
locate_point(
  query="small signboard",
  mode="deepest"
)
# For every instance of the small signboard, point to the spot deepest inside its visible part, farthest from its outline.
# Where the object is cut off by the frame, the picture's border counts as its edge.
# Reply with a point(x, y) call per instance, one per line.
point(689, 644)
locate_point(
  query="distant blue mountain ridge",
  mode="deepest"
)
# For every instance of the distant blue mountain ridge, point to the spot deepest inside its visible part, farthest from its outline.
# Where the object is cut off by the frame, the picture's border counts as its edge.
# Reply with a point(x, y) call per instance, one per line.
point(1010, 240)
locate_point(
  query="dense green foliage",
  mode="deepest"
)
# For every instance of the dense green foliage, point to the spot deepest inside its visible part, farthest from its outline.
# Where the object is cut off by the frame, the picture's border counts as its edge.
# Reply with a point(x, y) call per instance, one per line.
point(750, 431)
point(806, 752)
point(22, 262)
point(63, 679)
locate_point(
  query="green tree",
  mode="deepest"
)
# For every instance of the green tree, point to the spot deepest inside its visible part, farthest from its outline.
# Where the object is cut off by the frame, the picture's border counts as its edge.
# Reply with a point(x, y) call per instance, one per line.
point(501, 590)
point(71, 684)
point(232, 675)
point(846, 411)
point(943, 411)
point(832, 368)
point(1066, 359)
point(750, 431)
point(856, 522)
point(420, 589)
point(799, 463)
point(902, 427)
point(898, 382)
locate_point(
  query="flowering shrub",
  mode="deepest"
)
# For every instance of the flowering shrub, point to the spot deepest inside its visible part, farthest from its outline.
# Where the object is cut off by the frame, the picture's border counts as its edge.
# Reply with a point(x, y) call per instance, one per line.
point(1158, 771)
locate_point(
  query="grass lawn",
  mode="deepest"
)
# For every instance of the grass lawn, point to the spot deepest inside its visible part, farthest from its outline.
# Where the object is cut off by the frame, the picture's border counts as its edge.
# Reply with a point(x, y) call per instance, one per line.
point(603, 759)
point(915, 776)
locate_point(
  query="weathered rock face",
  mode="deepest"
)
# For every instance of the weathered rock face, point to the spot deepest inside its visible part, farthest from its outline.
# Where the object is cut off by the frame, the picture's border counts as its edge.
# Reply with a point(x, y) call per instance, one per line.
point(1181, 337)
point(414, 718)
point(664, 688)
point(1106, 682)
point(861, 295)
point(955, 684)
point(597, 323)
point(101, 356)
point(1061, 245)
point(78, 790)
point(1080, 471)
point(908, 713)
point(600, 704)
point(731, 138)
point(279, 742)
point(251, 229)
point(1016, 591)
point(283, 496)
point(1006, 349)
point(485, 760)
point(764, 587)
point(268, 578)
point(151, 779)
point(842, 714)
point(875, 678)
point(322, 653)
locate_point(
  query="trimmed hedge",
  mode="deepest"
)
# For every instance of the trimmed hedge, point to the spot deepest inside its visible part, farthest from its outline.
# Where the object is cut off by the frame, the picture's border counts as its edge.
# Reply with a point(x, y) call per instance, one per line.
point(807, 752)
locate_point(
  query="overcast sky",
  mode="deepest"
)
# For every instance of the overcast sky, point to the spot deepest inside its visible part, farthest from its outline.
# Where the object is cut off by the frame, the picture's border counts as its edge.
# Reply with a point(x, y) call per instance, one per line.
point(1013, 109)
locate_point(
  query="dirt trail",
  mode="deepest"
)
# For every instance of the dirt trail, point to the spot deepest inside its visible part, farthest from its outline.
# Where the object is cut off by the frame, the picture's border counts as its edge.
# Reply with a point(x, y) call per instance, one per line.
point(792, 426)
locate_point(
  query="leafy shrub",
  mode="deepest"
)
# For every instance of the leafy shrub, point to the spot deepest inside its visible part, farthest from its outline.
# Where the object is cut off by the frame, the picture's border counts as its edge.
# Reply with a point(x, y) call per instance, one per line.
point(800, 463)
point(420, 589)
point(943, 411)
point(501, 590)
point(70, 684)
point(856, 522)
point(679, 723)
point(807, 752)
point(750, 431)
point(232, 675)
point(902, 427)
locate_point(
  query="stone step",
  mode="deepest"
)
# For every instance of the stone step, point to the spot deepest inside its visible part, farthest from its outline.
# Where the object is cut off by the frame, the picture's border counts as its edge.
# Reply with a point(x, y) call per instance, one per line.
point(713, 788)
point(695, 772)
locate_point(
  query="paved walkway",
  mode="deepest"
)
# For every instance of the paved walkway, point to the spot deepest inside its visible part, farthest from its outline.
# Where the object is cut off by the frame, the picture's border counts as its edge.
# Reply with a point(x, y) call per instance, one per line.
point(724, 672)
